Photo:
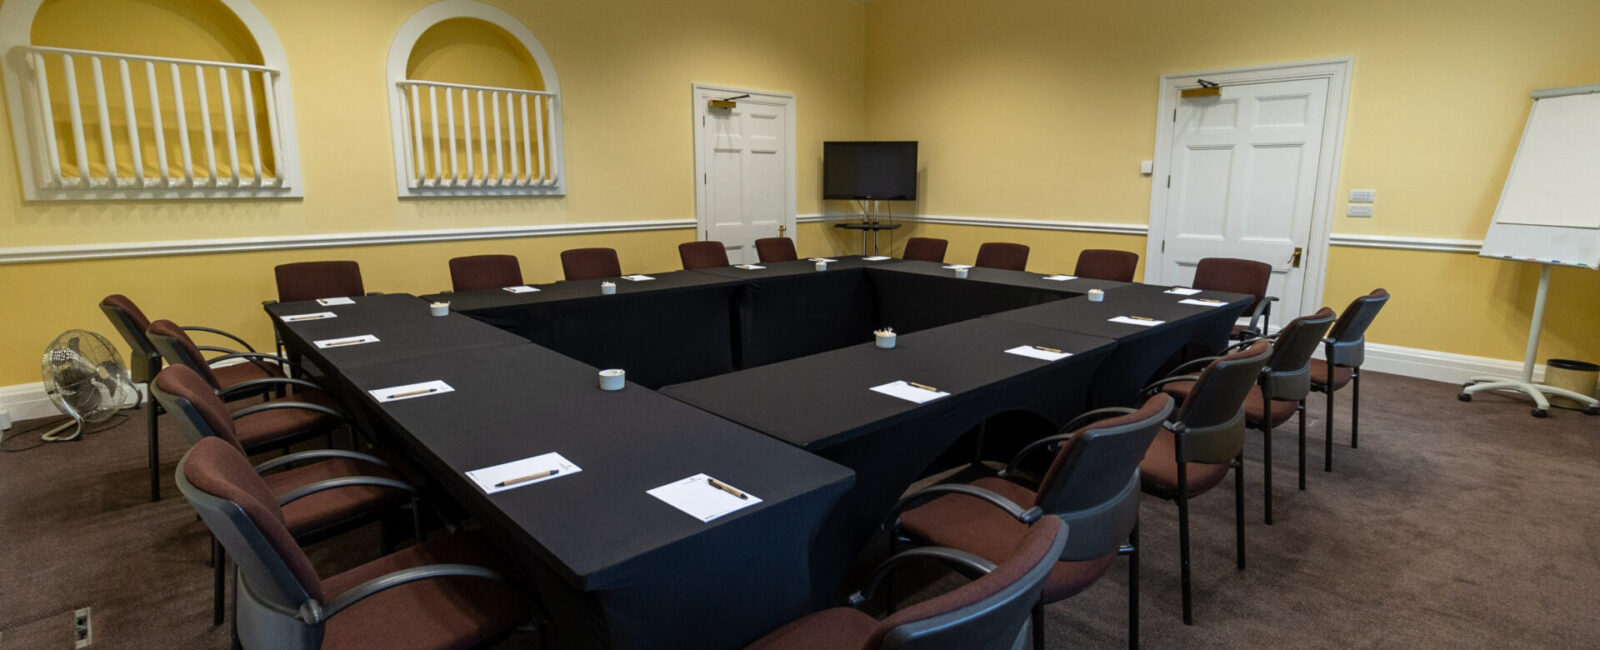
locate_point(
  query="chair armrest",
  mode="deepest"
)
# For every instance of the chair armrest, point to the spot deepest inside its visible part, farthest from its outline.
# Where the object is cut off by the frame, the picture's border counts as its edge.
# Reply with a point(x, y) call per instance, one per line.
point(250, 385)
point(258, 359)
point(342, 482)
point(966, 563)
point(1052, 443)
point(1096, 414)
point(392, 580)
point(236, 339)
point(213, 348)
point(275, 406)
point(1153, 388)
point(316, 454)
point(1017, 512)
point(1184, 369)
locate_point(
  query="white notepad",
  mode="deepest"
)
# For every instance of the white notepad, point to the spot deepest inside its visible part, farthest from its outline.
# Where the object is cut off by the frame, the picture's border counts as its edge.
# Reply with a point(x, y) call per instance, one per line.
point(877, 258)
point(821, 259)
point(346, 341)
point(489, 479)
point(700, 499)
point(300, 317)
point(1180, 291)
point(1036, 353)
point(906, 391)
point(410, 391)
point(1201, 302)
point(637, 278)
point(521, 288)
point(329, 302)
point(1129, 320)
point(1060, 278)
point(749, 267)
point(958, 266)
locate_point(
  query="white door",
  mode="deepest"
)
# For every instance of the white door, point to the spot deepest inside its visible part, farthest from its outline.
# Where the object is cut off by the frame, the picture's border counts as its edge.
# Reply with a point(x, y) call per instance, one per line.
point(744, 169)
point(1243, 183)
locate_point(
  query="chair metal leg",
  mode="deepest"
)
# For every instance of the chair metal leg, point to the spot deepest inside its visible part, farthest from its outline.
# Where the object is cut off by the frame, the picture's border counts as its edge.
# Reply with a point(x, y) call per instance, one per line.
point(1301, 407)
point(1038, 625)
point(1183, 542)
point(1238, 507)
point(1355, 405)
point(1266, 454)
point(151, 426)
point(1133, 589)
point(219, 563)
point(1327, 458)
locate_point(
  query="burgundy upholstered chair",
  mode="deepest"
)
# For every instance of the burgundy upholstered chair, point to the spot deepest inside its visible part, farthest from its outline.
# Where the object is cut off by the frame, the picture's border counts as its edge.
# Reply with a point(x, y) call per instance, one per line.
point(1002, 255)
point(776, 249)
point(1203, 441)
point(590, 263)
point(436, 594)
point(314, 280)
point(702, 255)
point(1104, 264)
point(363, 486)
point(1285, 382)
point(1092, 485)
point(270, 425)
point(925, 249)
point(145, 361)
point(990, 613)
point(478, 272)
point(1345, 349)
point(1239, 276)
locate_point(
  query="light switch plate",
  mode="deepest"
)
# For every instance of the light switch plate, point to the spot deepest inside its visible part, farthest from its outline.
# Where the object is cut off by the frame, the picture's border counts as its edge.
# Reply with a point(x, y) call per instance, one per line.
point(1363, 196)
point(1147, 167)
point(1359, 210)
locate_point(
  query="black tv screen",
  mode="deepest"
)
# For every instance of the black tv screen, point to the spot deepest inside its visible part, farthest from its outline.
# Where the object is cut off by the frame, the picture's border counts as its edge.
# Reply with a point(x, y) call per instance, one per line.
point(876, 171)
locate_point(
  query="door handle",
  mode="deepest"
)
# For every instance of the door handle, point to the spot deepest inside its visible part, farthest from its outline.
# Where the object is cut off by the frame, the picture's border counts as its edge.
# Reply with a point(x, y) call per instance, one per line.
point(782, 228)
point(1294, 260)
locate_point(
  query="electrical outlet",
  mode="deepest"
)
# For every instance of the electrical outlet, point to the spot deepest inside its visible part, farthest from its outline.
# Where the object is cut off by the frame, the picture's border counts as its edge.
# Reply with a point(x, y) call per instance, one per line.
point(1359, 210)
point(82, 633)
point(1363, 196)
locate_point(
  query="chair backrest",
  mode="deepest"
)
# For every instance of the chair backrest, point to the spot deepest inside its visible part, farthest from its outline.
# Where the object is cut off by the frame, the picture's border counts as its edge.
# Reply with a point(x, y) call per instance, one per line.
point(478, 272)
point(989, 613)
point(179, 350)
point(1093, 484)
point(702, 255)
point(1213, 413)
point(198, 410)
point(144, 360)
point(590, 263)
point(1105, 264)
point(1002, 255)
point(313, 280)
point(925, 249)
point(1349, 334)
point(1235, 276)
point(1289, 369)
point(275, 576)
point(776, 249)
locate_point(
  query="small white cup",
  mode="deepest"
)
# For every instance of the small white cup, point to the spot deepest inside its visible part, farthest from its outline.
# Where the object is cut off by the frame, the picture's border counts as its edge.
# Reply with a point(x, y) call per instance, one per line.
point(961, 273)
point(613, 379)
point(439, 308)
point(608, 288)
point(1096, 295)
point(886, 340)
point(822, 266)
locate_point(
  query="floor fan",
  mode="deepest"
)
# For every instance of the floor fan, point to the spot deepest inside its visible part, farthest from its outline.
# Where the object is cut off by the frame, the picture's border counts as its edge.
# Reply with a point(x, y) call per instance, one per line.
point(86, 379)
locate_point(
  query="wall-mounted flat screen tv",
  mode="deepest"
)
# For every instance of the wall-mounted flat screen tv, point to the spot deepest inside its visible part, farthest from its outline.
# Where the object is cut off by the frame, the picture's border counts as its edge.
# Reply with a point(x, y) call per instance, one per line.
point(869, 171)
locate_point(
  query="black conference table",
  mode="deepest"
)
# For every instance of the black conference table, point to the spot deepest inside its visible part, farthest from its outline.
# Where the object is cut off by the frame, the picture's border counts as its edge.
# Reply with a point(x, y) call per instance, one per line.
point(915, 295)
point(789, 309)
point(401, 322)
point(823, 403)
point(637, 573)
point(1141, 351)
point(673, 328)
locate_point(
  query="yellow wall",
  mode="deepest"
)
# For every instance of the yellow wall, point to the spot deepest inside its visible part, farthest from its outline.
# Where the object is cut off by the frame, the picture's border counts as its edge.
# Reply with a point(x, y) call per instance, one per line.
point(1065, 94)
point(625, 68)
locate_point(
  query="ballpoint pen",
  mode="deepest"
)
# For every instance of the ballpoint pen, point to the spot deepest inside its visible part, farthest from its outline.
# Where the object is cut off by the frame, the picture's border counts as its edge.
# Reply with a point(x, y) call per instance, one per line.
point(524, 479)
point(726, 488)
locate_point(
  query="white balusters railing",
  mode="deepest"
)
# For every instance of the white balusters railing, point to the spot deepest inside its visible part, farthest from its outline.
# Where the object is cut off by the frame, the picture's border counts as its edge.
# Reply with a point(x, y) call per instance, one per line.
point(124, 163)
point(446, 148)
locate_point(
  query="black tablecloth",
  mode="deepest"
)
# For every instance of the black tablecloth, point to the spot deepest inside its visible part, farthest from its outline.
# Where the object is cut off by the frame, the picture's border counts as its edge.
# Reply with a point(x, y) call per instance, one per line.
point(663, 578)
point(789, 309)
point(404, 327)
point(1141, 351)
point(913, 296)
point(671, 329)
point(823, 403)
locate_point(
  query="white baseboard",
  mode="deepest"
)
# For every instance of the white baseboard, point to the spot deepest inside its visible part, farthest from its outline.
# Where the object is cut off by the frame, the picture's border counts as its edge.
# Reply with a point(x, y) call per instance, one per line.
point(26, 402)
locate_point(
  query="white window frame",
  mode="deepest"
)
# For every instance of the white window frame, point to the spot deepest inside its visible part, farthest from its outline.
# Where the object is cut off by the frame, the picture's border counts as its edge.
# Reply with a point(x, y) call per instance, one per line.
point(30, 134)
point(405, 41)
